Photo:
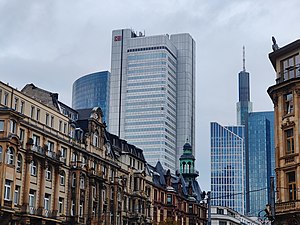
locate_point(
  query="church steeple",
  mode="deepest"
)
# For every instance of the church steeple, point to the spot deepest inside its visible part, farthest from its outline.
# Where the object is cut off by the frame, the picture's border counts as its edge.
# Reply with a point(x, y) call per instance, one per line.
point(187, 162)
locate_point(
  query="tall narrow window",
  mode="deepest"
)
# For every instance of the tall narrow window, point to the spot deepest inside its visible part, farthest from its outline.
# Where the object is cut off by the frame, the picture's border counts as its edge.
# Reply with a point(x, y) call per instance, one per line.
point(52, 121)
point(7, 190)
point(73, 180)
point(62, 178)
point(22, 105)
point(289, 106)
point(60, 126)
point(16, 104)
point(82, 182)
point(10, 156)
point(33, 168)
point(289, 138)
point(22, 135)
point(32, 112)
point(38, 111)
point(49, 173)
point(17, 195)
point(5, 102)
point(47, 201)
point(60, 205)
point(65, 127)
point(81, 209)
point(31, 200)
point(1, 153)
point(50, 146)
point(19, 163)
point(291, 181)
point(72, 208)
point(36, 140)
point(13, 126)
point(47, 119)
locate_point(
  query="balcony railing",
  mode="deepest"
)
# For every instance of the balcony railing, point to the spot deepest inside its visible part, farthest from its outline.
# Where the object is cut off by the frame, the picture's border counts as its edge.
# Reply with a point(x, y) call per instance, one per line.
point(45, 152)
point(287, 206)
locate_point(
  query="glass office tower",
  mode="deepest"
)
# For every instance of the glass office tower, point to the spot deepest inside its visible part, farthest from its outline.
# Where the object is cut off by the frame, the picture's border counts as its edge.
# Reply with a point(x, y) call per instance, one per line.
point(261, 158)
point(227, 166)
point(152, 93)
point(92, 90)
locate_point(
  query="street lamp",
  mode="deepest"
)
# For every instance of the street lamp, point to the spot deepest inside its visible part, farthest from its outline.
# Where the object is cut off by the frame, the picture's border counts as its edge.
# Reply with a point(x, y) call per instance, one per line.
point(206, 196)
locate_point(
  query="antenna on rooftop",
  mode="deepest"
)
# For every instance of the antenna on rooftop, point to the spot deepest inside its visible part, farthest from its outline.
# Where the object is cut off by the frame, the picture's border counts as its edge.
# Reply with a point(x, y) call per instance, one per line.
point(244, 60)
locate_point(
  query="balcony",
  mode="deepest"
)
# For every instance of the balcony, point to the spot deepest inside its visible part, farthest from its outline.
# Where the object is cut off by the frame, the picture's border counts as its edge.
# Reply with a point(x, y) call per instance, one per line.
point(45, 152)
point(290, 206)
point(289, 73)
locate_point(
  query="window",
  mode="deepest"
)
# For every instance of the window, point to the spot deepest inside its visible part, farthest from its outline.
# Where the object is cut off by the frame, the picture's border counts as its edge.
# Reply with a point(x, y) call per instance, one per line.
point(60, 125)
point(74, 157)
point(291, 182)
point(7, 190)
point(38, 111)
point(0, 96)
point(1, 125)
point(52, 121)
point(48, 173)
point(5, 102)
point(162, 197)
point(13, 126)
point(289, 139)
point(47, 119)
point(17, 195)
point(32, 112)
point(50, 146)
point(36, 140)
point(22, 105)
point(1, 152)
point(65, 128)
point(72, 208)
point(290, 67)
point(10, 156)
point(19, 163)
point(82, 186)
point(73, 180)
point(95, 139)
point(31, 198)
point(169, 199)
point(63, 153)
point(22, 135)
point(47, 202)
point(289, 106)
point(81, 209)
point(220, 211)
point(33, 168)
point(62, 178)
point(16, 104)
point(222, 223)
point(60, 205)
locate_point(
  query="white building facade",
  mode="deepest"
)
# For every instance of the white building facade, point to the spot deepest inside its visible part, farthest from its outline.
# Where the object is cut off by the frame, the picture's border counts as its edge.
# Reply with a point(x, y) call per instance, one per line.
point(152, 91)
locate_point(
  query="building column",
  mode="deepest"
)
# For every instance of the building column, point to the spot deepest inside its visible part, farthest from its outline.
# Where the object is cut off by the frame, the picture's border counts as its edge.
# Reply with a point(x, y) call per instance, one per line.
point(56, 190)
point(42, 188)
point(26, 186)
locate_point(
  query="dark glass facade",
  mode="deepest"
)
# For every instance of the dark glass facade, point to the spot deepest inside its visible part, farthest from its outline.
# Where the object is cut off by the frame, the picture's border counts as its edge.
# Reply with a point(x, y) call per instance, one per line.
point(91, 91)
point(261, 159)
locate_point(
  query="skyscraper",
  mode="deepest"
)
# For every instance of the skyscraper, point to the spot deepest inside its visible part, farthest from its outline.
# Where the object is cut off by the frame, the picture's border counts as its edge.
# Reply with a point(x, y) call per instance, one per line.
point(92, 90)
point(152, 93)
point(244, 105)
point(227, 166)
point(258, 153)
point(261, 158)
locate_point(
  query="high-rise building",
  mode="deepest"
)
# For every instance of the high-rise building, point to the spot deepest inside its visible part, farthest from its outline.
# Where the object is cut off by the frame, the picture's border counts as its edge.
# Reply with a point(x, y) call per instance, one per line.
point(244, 105)
point(152, 93)
point(261, 158)
point(227, 166)
point(91, 91)
point(285, 95)
point(258, 149)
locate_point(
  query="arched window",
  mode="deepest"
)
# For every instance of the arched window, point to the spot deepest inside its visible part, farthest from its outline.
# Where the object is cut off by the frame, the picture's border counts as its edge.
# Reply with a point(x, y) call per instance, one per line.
point(73, 180)
point(183, 167)
point(62, 176)
point(0, 153)
point(10, 156)
point(19, 163)
point(82, 185)
point(96, 139)
point(189, 167)
point(48, 173)
point(33, 168)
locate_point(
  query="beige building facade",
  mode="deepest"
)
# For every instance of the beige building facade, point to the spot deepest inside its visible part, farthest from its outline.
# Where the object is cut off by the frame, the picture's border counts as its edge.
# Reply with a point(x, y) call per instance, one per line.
point(61, 166)
point(285, 95)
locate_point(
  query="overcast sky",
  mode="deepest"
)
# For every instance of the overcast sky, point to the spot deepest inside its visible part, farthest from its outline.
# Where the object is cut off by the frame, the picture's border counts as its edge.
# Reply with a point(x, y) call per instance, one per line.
point(51, 43)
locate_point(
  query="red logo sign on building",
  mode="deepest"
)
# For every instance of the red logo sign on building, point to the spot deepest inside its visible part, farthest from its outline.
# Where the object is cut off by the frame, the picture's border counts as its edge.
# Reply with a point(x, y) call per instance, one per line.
point(118, 38)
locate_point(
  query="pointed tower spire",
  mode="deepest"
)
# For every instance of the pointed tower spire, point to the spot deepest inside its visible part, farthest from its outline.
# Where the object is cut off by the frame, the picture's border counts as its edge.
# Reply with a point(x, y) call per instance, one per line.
point(244, 59)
